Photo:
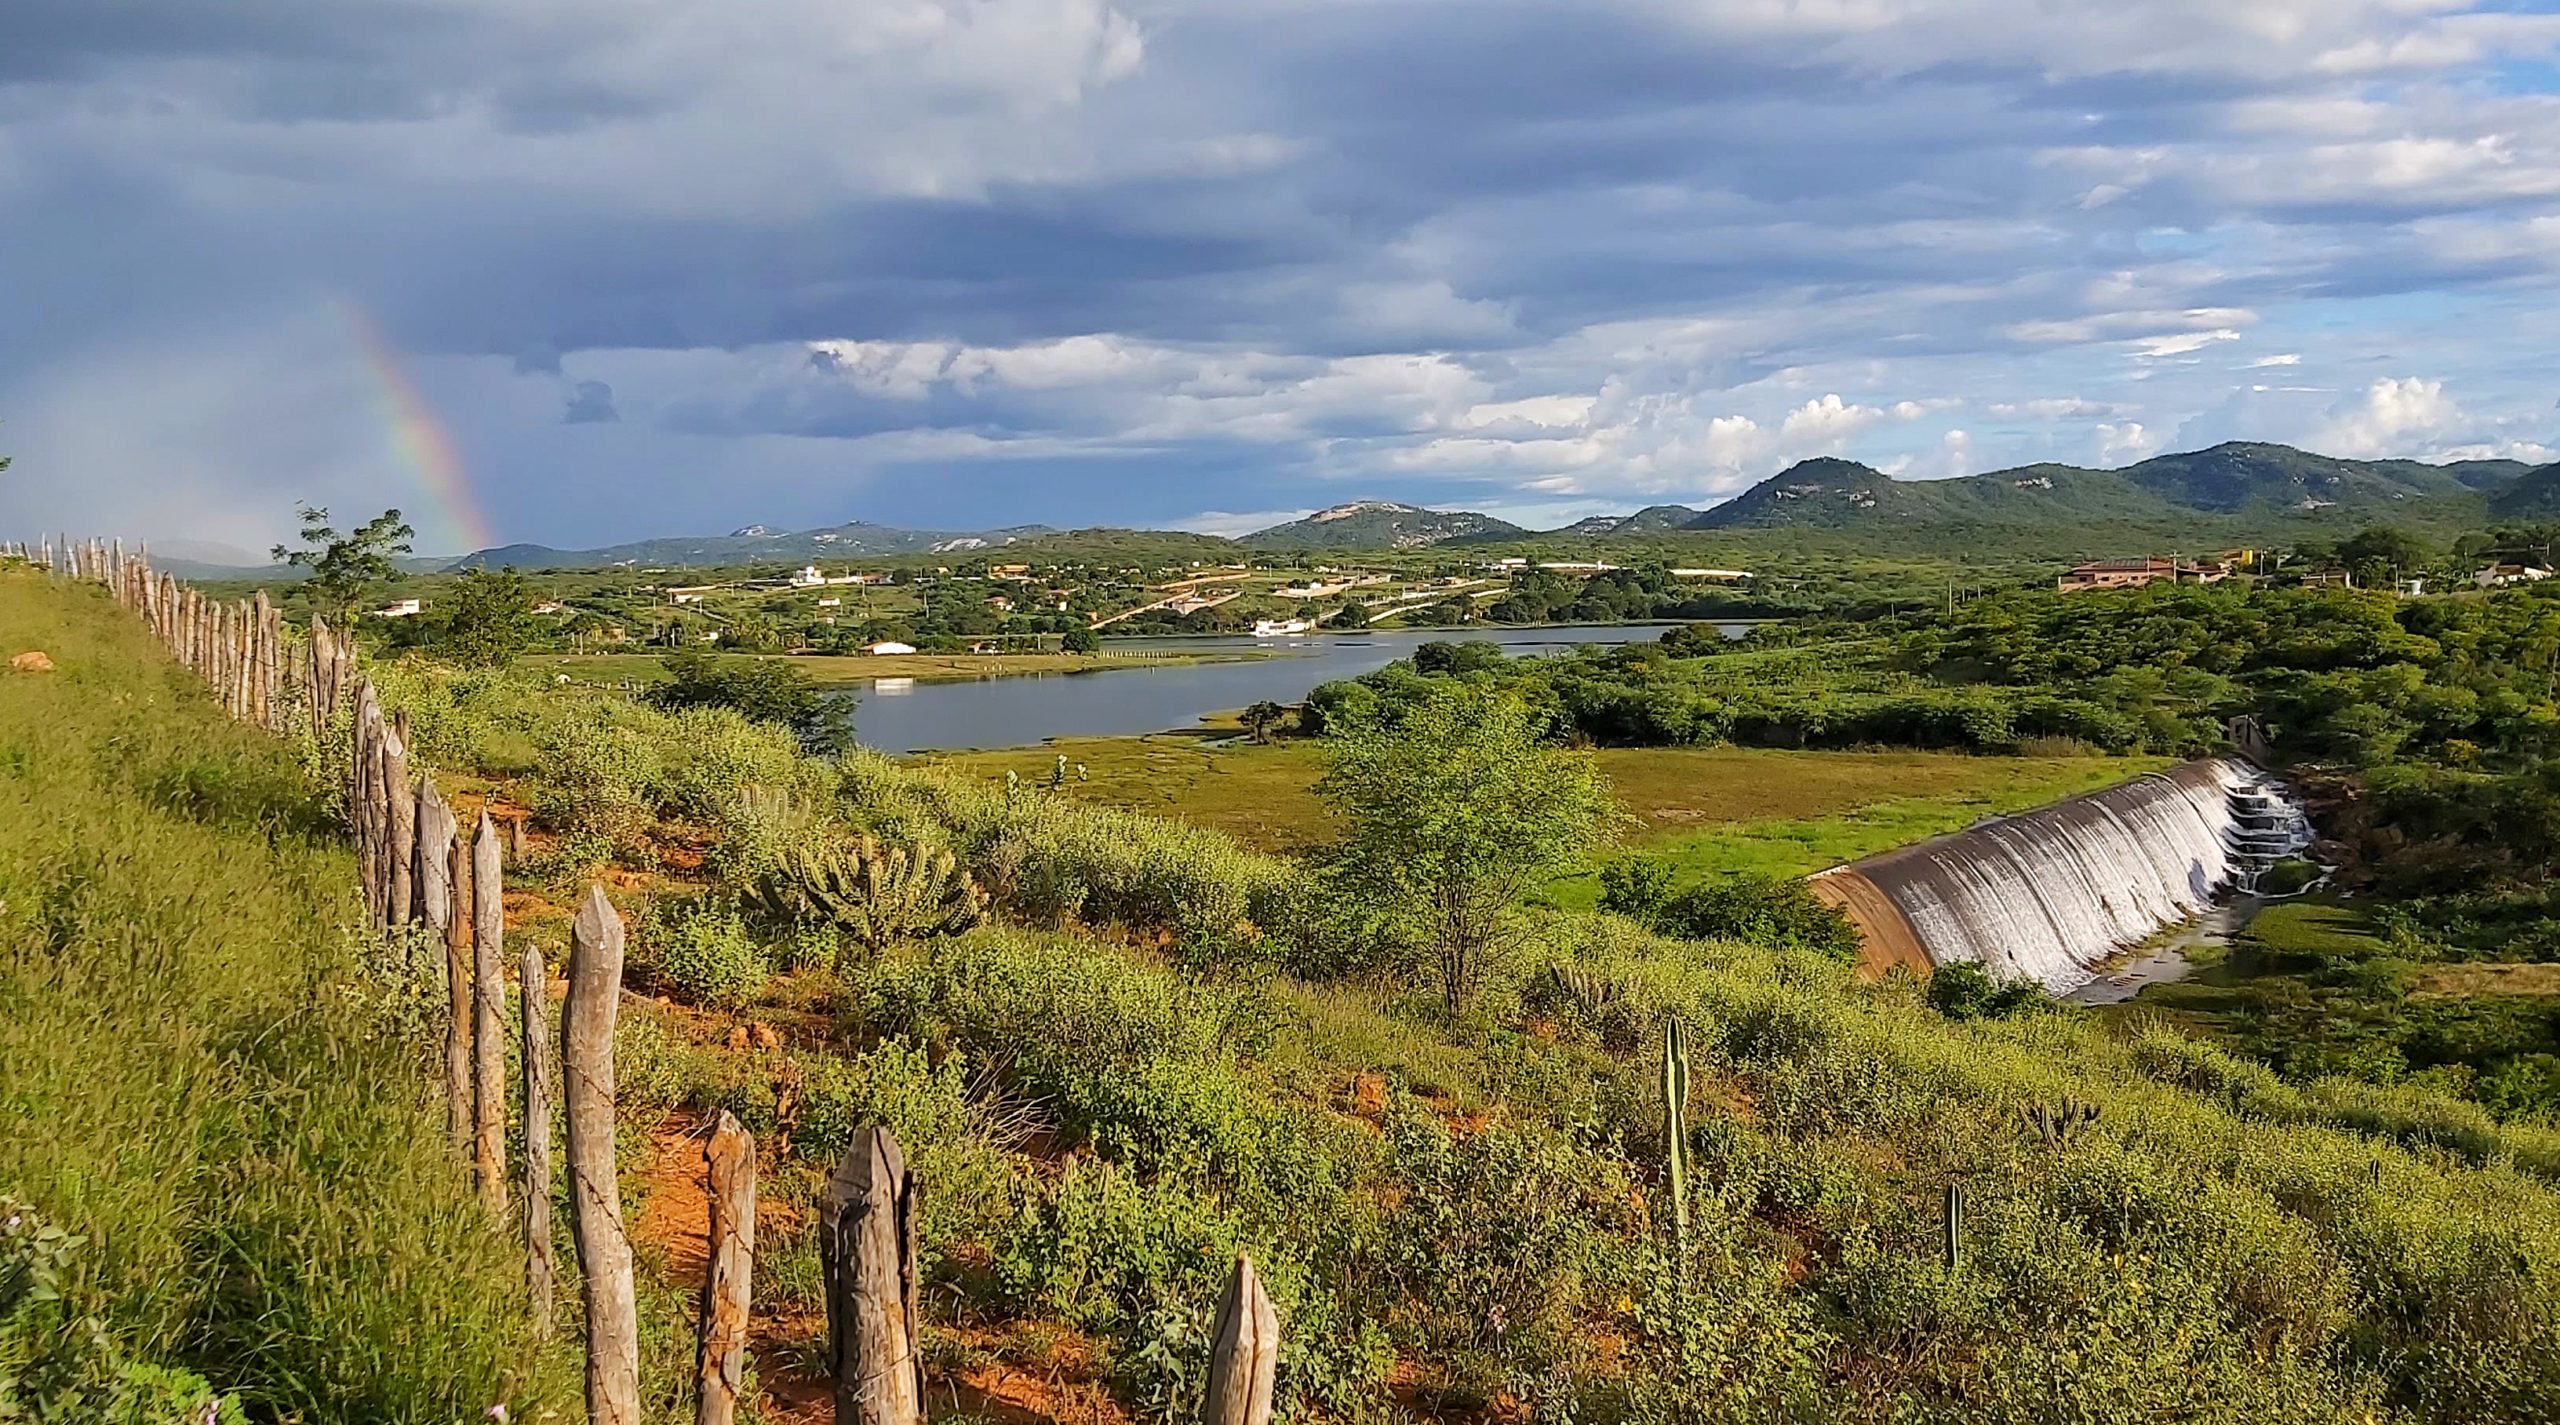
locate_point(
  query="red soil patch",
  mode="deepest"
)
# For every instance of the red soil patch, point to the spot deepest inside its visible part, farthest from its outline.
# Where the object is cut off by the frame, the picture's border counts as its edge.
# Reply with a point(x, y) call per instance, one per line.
point(675, 1205)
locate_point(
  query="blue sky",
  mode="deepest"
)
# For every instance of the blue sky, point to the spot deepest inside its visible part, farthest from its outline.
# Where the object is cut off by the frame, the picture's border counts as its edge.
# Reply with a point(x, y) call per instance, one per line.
point(661, 267)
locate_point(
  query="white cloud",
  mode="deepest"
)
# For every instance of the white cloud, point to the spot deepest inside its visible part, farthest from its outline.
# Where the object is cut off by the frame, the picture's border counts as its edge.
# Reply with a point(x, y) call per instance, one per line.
point(2125, 443)
point(2394, 415)
point(2152, 348)
point(1231, 524)
point(2286, 358)
point(2052, 408)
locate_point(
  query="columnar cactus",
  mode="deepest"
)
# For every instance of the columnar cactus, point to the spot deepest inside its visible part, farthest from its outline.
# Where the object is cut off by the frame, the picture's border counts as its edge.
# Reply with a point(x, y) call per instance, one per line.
point(1675, 1126)
point(875, 893)
point(1954, 1246)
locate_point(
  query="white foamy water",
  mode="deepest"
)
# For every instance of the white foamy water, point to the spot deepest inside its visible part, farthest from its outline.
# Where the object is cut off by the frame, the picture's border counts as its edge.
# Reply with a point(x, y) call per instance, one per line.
point(2049, 894)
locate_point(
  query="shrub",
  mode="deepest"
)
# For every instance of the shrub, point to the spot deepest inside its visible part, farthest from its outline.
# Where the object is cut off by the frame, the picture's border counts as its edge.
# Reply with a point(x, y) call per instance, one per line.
point(1966, 991)
point(599, 779)
point(1760, 910)
point(1635, 886)
point(59, 1364)
point(702, 951)
point(717, 754)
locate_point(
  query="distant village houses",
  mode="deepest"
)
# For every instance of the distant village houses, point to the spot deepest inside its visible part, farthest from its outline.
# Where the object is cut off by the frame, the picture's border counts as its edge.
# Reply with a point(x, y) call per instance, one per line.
point(400, 608)
point(2499, 576)
point(2134, 573)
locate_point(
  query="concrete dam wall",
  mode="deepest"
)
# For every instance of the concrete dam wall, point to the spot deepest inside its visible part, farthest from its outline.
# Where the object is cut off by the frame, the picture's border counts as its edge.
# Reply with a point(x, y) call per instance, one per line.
point(2048, 895)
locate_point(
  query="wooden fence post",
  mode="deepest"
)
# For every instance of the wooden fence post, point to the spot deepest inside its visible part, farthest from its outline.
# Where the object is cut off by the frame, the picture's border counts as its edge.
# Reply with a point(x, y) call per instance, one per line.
point(866, 1245)
point(1244, 1353)
point(401, 804)
point(595, 1203)
point(436, 902)
point(488, 937)
point(727, 1288)
point(534, 996)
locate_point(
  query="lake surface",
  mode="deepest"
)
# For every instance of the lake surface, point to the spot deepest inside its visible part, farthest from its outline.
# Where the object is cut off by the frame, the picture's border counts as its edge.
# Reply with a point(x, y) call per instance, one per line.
point(903, 715)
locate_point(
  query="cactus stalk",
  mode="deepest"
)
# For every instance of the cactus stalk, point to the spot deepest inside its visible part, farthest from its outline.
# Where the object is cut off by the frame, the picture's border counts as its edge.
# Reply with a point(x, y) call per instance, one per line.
point(1954, 1245)
point(1675, 1109)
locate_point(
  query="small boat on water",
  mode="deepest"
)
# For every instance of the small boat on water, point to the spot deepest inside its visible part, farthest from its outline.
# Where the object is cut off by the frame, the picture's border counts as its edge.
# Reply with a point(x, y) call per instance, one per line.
point(1278, 627)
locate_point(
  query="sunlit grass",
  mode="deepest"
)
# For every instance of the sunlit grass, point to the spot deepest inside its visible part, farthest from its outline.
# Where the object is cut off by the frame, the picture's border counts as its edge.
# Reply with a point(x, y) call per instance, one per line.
point(187, 1075)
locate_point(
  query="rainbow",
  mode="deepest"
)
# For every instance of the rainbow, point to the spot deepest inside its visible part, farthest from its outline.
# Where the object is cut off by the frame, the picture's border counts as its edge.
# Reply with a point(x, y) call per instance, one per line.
point(420, 441)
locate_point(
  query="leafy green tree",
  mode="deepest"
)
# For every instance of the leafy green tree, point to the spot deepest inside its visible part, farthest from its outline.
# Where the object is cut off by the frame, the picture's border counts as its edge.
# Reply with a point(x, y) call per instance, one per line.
point(1082, 639)
point(344, 566)
point(1452, 814)
point(1352, 614)
point(486, 619)
point(752, 632)
point(765, 689)
point(1263, 719)
point(2381, 553)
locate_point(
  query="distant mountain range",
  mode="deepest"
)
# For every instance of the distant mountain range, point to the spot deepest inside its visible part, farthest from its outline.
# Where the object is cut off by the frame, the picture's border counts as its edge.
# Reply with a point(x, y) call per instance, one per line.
point(2230, 489)
point(752, 545)
point(1379, 524)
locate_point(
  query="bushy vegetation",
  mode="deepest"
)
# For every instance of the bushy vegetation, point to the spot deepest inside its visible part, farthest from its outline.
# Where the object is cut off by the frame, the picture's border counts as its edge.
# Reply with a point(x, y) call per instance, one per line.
point(1172, 1051)
point(2429, 729)
point(194, 1089)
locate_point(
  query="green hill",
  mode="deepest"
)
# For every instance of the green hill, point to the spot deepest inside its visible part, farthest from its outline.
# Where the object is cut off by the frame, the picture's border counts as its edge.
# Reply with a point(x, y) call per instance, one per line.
point(2236, 490)
point(2534, 495)
point(1379, 524)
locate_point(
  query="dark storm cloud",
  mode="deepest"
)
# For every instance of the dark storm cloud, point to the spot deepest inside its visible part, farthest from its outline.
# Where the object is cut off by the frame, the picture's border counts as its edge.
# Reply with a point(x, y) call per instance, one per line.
point(590, 403)
point(1318, 243)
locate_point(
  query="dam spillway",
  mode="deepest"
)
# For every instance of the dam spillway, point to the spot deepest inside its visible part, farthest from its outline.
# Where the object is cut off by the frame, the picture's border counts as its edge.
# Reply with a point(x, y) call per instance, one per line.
point(2048, 895)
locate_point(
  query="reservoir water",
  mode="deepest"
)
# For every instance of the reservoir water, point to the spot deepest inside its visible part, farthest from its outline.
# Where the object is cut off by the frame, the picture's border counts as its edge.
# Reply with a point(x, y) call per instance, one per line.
point(904, 715)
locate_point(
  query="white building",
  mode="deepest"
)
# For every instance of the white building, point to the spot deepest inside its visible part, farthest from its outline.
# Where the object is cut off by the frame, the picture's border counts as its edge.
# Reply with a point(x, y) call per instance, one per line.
point(2498, 576)
point(887, 646)
point(400, 608)
point(808, 578)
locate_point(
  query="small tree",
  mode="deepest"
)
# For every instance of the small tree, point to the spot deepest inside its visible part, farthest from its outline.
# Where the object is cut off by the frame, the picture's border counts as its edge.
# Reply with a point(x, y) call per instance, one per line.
point(486, 619)
point(344, 566)
point(1263, 719)
point(1453, 813)
point(764, 689)
point(1082, 640)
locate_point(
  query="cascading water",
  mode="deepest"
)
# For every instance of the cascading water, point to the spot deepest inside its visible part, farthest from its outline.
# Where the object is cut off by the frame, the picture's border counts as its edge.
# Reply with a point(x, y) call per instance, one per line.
point(2049, 894)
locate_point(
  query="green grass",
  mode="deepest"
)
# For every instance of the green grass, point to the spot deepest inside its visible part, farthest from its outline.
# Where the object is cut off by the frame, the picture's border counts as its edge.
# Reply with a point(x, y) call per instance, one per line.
point(1707, 810)
point(2311, 926)
point(187, 1074)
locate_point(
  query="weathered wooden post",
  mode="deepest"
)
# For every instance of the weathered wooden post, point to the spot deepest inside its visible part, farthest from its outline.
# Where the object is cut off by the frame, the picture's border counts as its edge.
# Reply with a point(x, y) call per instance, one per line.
point(316, 655)
point(1244, 1353)
point(595, 1203)
point(488, 936)
point(867, 1247)
point(533, 994)
point(401, 804)
point(515, 840)
point(727, 1287)
point(436, 898)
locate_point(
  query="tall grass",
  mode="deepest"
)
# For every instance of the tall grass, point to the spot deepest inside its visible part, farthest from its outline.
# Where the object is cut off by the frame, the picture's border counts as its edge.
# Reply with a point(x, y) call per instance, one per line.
point(188, 1075)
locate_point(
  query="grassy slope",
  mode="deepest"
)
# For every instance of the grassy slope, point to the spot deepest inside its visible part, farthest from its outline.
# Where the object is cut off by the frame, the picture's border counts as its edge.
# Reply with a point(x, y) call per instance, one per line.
point(265, 1191)
point(1705, 809)
point(1451, 1212)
